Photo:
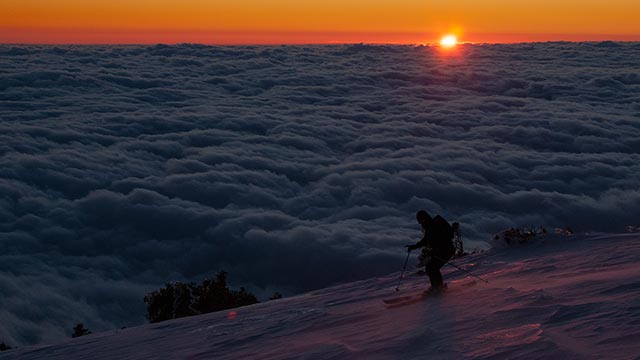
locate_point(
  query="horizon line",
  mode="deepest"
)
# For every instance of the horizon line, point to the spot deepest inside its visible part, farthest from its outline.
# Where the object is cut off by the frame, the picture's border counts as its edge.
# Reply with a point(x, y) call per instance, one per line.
point(75, 36)
point(426, 44)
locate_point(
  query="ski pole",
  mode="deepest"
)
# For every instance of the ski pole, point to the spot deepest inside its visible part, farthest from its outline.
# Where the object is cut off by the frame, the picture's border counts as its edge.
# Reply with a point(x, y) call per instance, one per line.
point(403, 268)
point(465, 270)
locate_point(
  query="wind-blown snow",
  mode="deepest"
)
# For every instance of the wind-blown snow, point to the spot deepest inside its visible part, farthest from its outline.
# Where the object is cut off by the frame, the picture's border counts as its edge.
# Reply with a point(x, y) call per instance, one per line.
point(559, 298)
point(293, 168)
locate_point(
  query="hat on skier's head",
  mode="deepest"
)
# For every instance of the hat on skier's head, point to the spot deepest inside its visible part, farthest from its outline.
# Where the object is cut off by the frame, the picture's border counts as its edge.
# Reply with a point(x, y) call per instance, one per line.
point(422, 216)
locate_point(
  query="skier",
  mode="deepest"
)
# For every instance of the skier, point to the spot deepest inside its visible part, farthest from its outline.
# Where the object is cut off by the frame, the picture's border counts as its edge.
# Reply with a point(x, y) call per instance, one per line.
point(438, 244)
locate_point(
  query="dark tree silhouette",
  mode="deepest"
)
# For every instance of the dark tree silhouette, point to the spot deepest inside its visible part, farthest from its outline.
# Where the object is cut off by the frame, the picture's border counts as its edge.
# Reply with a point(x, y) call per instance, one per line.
point(4, 346)
point(177, 300)
point(213, 295)
point(276, 295)
point(79, 330)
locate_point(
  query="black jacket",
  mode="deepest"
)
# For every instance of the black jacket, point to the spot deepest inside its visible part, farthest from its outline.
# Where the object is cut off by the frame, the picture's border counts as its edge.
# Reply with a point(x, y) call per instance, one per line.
point(438, 236)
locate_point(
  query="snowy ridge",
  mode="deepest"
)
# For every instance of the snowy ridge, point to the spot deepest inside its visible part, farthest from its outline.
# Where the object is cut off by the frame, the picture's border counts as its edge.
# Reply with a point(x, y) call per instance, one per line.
point(561, 297)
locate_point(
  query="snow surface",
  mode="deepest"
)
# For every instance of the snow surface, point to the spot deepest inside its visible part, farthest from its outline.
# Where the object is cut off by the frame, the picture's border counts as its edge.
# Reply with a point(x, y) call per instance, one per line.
point(560, 297)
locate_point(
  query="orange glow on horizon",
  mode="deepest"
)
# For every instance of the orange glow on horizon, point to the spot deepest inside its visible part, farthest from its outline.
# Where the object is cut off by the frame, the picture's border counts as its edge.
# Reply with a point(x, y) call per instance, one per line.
point(314, 21)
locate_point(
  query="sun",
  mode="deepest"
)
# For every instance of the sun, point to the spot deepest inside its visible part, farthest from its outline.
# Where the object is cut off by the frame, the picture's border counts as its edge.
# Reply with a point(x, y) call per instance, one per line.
point(449, 41)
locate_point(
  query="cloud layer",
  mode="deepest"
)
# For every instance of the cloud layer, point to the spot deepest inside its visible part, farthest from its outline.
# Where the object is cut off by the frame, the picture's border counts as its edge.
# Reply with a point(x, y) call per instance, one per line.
point(292, 168)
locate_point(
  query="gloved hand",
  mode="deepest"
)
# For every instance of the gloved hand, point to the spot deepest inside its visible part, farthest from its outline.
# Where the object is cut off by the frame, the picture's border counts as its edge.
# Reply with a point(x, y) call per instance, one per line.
point(411, 247)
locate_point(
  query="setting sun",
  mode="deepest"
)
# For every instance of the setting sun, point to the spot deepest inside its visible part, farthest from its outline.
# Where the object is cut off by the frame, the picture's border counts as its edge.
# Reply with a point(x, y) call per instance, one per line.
point(449, 41)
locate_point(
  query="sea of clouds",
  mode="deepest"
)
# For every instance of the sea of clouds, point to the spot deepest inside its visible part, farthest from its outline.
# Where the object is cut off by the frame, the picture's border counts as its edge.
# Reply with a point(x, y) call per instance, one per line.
point(290, 167)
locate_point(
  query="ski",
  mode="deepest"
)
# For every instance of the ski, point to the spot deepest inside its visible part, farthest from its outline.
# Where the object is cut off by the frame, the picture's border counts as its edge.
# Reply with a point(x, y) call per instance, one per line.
point(404, 298)
point(412, 297)
point(408, 301)
point(418, 296)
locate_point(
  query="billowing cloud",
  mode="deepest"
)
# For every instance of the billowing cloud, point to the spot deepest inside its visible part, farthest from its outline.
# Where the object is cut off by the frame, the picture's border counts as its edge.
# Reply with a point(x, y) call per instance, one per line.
point(293, 168)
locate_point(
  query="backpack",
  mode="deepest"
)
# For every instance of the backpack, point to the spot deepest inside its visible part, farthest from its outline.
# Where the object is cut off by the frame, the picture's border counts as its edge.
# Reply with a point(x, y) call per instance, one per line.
point(445, 231)
point(442, 235)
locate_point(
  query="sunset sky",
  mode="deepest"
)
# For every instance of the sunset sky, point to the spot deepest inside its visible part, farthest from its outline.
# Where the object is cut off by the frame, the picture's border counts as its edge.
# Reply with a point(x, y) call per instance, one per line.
point(314, 21)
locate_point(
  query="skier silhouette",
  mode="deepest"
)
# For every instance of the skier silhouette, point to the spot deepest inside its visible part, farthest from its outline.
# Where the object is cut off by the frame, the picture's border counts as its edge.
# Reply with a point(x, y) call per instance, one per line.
point(438, 244)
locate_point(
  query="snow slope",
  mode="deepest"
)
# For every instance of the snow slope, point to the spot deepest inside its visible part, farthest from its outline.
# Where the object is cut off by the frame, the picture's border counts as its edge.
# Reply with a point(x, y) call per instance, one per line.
point(575, 297)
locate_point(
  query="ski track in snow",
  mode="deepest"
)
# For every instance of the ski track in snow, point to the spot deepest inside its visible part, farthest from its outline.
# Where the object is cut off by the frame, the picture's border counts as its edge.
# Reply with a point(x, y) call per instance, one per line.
point(562, 297)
